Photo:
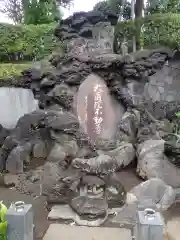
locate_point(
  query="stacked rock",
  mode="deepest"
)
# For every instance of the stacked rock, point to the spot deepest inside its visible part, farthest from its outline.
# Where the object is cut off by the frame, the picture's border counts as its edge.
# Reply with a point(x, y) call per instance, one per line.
point(53, 132)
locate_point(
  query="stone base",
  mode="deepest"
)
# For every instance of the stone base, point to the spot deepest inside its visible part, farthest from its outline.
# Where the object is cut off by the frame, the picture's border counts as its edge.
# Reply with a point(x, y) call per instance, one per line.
point(65, 212)
point(58, 231)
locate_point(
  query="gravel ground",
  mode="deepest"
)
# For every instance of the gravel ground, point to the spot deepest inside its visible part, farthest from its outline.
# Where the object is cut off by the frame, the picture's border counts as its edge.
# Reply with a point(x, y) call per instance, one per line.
point(40, 213)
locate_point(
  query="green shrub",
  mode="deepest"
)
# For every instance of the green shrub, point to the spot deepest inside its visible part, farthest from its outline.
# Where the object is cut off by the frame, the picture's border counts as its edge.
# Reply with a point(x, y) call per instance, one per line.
point(26, 42)
point(10, 69)
point(159, 29)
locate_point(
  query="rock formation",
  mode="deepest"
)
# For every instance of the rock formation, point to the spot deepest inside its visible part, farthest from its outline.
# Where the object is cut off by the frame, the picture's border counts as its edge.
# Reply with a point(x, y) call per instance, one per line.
point(77, 172)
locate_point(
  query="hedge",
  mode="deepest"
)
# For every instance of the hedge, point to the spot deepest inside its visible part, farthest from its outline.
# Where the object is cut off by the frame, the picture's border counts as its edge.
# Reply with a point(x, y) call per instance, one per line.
point(158, 29)
point(9, 69)
point(26, 42)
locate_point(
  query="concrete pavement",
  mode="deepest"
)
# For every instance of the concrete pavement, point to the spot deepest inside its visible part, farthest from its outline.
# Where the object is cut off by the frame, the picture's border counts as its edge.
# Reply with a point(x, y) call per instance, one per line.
point(66, 232)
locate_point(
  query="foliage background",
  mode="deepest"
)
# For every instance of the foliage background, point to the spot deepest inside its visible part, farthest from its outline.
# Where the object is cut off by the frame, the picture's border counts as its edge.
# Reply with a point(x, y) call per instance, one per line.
point(26, 42)
point(158, 30)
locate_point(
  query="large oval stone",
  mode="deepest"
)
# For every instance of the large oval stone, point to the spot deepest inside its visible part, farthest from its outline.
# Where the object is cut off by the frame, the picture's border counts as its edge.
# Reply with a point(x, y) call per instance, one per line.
point(98, 112)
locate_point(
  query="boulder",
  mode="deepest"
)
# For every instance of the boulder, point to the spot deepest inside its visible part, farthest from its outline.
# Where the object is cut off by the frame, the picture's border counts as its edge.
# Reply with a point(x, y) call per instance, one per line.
point(10, 180)
point(68, 142)
point(153, 163)
point(86, 30)
point(57, 154)
point(123, 155)
point(128, 126)
point(156, 190)
point(155, 130)
point(32, 74)
point(71, 148)
point(172, 150)
point(102, 164)
point(132, 93)
point(89, 208)
point(31, 127)
point(58, 185)
point(47, 83)
point(86, 152)
point(17, 157)
point(63, 95)
point(107, 161)
point(50, 182)
point(60, 137)
point(40, 150)
point(10, 142)
point(3, 156)
point(3, 134)
point(103, 144)
point(115, 192)
point(63, 121)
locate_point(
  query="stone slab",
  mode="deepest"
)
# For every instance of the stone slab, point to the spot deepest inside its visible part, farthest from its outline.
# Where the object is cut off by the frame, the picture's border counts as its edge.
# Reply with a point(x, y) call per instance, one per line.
point(172, 228)
point(127, 215)
point(66, 232)
point(63, 212)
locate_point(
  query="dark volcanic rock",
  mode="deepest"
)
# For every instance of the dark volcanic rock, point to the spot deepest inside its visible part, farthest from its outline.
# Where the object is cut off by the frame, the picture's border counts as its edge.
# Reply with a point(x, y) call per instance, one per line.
point(63, 95)
point(89, 208)
point(152, 162)
point(32, 74)
point(3, 134)
point(172, 151)
point(47, 83)
point(156, 131)
point(108, 161)
point(128, 126)
point(17, 157)
point(58, 185)
point(29, 130)
point(86, 31)
point(115, 191)
point(79, 170)
point(40, 149)
point(3, 156)
point(63, 121)
point(77, 22)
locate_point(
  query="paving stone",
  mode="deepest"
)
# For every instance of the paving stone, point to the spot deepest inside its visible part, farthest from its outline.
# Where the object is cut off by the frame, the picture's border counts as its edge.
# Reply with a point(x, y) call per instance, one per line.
point(66, 232)
point(127, 215)
point(172, 228)
point(63, 212)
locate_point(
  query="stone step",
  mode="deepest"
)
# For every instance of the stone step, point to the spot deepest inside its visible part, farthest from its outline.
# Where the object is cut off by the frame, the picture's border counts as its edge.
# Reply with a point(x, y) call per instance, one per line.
point(67, 232)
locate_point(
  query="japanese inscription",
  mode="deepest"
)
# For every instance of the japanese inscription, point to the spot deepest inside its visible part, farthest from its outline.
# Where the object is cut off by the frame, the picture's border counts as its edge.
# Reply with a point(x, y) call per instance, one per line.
point(95, 110)
point(98, 119)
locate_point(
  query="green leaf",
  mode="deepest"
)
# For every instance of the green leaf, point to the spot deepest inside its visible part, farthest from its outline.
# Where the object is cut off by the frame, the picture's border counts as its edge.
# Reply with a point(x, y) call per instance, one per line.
point(177, 114)
point(3, 230)
point(3, 211)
